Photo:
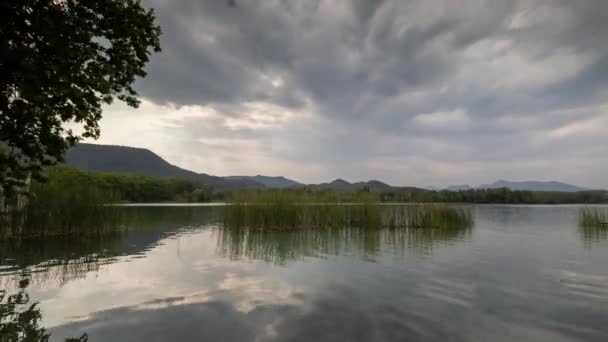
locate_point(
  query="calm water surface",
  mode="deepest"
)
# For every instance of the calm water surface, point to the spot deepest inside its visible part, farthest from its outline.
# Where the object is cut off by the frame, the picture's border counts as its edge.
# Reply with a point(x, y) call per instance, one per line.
point(525, 273)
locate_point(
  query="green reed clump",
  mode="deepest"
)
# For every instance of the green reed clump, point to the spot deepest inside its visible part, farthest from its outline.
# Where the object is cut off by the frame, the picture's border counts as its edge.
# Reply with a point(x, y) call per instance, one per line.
point(285, 210)
point(288, 210)
point(593, 217)
point(428, 216)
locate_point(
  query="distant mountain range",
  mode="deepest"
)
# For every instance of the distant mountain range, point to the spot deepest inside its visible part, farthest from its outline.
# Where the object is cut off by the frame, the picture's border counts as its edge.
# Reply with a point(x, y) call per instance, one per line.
point(458, 187)
point(371, 186)
point(533, 186)
point(279, 182)
point(140, 161)
point(522, 185)
point(109, 158)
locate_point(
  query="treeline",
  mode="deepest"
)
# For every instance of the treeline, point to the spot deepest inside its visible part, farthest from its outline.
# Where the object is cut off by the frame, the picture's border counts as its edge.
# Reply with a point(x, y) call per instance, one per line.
point(479, 196)
point(498, 196)
point(63, 181)
point(302, 196)
point(122, 187)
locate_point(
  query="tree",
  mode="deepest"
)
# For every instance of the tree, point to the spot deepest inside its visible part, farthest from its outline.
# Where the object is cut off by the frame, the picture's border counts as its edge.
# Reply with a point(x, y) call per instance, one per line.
point(60, 61)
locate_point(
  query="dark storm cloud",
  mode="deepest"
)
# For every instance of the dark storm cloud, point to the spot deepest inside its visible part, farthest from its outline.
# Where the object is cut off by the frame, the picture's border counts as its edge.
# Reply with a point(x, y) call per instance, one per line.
point(213, 52)
point(471, 81)
point(349, 57)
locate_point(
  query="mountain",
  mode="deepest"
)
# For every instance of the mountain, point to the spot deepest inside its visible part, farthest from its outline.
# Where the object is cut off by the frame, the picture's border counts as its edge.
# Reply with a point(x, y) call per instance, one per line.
point(525, 185)
point(279, 182)
point(458, 187)
point(533, 186)
point(109, 158)
point(372, 186)
point(336, 185)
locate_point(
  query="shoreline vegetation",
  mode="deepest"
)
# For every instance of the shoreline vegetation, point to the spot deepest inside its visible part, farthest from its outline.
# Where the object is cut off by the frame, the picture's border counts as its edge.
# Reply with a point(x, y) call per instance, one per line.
point(132, 188)
point(73, 202)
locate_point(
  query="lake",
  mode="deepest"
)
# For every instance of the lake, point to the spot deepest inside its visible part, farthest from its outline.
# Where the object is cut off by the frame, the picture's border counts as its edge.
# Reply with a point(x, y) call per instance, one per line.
point(525, 273)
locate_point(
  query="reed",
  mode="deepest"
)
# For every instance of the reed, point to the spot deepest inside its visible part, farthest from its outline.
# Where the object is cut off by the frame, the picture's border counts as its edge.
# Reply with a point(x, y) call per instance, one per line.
point(284, 211)
point(593, 217)
point(427, 216)
point(61, 206)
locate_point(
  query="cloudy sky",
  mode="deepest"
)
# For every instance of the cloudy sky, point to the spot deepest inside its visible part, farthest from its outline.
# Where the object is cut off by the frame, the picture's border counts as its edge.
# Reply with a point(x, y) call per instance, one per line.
point(409, 92)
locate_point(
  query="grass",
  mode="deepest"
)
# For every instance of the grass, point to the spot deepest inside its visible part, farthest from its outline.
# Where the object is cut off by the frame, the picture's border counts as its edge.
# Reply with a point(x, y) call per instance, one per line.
point(286, 211)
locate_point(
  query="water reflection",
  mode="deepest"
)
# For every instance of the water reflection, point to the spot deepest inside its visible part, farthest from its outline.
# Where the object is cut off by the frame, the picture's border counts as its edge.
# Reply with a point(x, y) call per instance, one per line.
point(20, 319)
point(331, 317)
point(282, 247)
point(593, 234)
point(519, 275)
point(62, 260)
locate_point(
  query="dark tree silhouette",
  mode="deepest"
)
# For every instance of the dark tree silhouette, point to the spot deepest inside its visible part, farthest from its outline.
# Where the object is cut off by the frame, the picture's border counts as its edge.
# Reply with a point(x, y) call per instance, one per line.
point(60, 61)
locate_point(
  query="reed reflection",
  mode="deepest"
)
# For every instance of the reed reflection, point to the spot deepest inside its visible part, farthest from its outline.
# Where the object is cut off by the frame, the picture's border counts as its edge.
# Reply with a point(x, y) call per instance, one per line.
point(63, 259)
point(283, 247)
point(593, 234)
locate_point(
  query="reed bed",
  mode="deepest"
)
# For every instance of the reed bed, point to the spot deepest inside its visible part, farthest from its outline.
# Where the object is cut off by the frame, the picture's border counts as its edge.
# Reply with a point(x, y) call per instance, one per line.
point(593, 217)
point(426, 216)
point(61, 207)
point(282, 211)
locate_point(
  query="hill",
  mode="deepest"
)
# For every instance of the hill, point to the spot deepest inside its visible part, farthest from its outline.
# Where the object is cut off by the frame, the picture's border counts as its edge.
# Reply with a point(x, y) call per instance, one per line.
point(372, 186)
point(533, 186)
point(458, 187)
point(525, 185)
point(140, 161)
point(278, 182)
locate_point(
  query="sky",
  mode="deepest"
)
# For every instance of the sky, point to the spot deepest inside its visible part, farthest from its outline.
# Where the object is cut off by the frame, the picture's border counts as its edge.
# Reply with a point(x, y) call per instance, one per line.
point(413, 92)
